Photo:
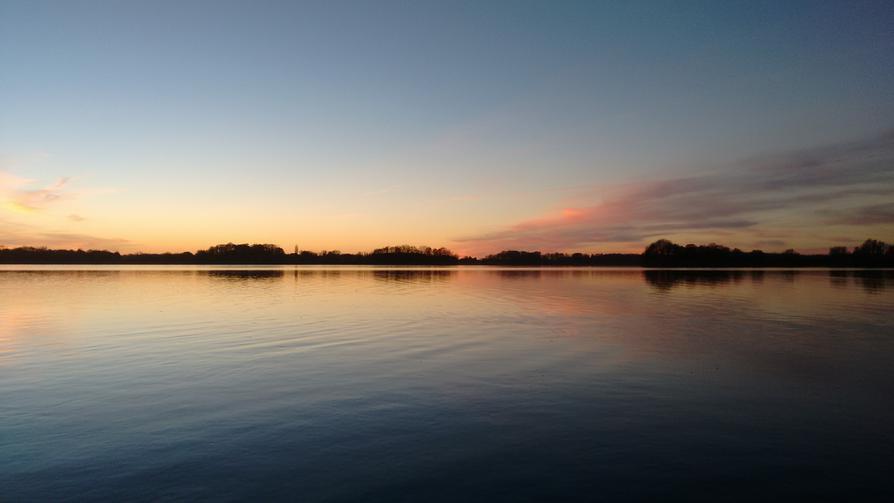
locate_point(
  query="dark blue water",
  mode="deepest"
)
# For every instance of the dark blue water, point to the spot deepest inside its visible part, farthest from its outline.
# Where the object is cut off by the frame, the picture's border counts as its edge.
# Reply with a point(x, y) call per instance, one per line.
point(467, 384)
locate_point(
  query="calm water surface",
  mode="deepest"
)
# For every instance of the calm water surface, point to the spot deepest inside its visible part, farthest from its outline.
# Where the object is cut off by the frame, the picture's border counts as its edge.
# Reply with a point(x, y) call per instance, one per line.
point(468, 384)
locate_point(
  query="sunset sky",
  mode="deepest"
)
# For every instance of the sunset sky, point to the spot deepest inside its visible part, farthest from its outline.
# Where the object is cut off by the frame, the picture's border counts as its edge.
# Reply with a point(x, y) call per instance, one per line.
point(480, 126)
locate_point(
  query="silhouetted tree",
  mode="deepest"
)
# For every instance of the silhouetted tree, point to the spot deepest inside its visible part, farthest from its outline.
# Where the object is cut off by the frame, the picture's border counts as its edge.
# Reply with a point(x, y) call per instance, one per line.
point(871, 248)
point(514, 257)
point(242, 254)
point(662, 248)
point(664, 253)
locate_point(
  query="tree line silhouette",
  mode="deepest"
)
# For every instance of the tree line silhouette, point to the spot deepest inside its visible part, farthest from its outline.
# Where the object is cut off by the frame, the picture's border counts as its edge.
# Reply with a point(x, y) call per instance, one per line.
point(660, 254)
point(664, 253)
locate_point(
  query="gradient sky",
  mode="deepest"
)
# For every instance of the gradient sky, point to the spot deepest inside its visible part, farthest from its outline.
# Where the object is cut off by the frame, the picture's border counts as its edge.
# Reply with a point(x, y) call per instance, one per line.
point(594, 126)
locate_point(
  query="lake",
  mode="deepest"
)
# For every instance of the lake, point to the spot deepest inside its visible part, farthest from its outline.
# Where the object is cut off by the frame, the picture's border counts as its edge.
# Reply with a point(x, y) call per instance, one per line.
point(453, 384)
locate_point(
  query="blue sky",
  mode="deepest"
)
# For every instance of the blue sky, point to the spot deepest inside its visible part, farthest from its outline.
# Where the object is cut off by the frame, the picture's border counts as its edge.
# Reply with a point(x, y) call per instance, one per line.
point(176, 125)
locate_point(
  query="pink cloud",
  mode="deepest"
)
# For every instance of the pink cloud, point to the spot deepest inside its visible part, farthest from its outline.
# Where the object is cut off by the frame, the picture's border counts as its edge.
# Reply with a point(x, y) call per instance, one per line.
point(14, 191)
point(751, 196)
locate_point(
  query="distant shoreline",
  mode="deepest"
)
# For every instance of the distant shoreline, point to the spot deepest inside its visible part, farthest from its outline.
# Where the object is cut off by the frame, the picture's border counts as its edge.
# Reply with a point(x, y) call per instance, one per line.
point(661, 254)
point(7, 266)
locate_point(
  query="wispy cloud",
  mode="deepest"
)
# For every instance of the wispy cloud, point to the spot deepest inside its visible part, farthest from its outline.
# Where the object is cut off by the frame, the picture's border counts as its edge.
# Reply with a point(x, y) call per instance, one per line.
point(17, 195)
point(28, 215)
point(862, 215)
point(22, 234)
point(842, 183)
point(77, 240)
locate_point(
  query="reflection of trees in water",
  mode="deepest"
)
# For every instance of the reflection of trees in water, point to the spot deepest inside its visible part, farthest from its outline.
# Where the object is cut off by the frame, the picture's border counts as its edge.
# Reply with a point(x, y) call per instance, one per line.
point(788, 275)
point(392, 275)
point(838, 278)
point(518, 274)
point(237, 275)
point(667, 279)
point(43, 273)
point(872, 284)
point(872, 281)
point(317, 273)
point(413, 276)
point(757, 276)
point(551, 273)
